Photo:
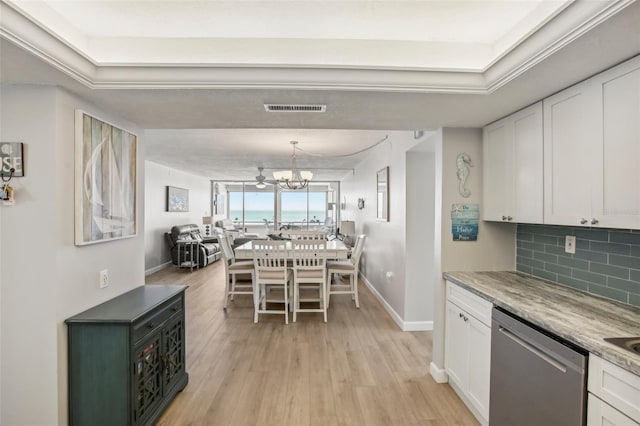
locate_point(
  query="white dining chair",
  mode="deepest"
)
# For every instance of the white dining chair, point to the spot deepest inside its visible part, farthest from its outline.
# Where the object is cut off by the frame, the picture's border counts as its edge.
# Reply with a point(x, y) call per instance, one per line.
point(232, 269)
point(346, 267)
point(271, 273)
point(309, 275)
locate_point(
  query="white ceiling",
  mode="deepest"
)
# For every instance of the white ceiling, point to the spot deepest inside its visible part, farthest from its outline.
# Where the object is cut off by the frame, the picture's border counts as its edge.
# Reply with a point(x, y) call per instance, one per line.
point(467, 35)
point(208, 117)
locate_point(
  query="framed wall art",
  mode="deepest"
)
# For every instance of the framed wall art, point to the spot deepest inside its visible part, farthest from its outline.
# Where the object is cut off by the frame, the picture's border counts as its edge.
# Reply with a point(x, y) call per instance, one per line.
point(105, 181)
point(382, 194)
point(177, 199)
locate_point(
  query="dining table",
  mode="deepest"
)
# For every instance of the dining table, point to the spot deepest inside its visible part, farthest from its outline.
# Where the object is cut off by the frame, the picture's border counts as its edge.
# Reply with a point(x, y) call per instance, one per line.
point(336, 250)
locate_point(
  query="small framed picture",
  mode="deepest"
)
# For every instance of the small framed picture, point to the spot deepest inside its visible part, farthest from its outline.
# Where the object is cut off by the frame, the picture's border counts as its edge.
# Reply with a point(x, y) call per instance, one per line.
point(177, 199)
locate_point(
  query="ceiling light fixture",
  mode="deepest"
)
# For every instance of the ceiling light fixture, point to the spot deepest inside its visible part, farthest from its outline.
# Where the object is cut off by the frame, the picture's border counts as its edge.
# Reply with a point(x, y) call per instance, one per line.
point(294, 178)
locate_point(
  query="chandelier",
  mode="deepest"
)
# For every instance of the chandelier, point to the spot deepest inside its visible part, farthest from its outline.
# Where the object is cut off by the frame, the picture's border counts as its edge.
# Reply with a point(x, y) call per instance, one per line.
point(294, 178)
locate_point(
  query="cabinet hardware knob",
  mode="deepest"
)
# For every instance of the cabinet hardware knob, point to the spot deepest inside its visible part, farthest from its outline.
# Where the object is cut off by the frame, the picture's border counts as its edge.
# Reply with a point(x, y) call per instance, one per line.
point(174, 309)
point(504, 218)
point(583, 221)
point(509, 218)
point(460, 315)
point(466, 319)
point(594, 221)
point(151, 325)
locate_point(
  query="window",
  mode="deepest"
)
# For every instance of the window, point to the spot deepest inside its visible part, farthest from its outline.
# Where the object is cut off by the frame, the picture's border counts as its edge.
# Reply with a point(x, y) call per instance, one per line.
point(249, 206)
point(303, 208)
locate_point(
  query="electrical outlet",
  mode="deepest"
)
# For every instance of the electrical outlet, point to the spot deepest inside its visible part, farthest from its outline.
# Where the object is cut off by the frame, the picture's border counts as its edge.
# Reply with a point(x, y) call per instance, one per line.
point(104, 278)
point(570, 244)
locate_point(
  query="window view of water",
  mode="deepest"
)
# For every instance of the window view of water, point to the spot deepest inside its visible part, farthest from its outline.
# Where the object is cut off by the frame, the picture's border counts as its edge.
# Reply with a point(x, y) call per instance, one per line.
point(296, 207)
point(287, 215)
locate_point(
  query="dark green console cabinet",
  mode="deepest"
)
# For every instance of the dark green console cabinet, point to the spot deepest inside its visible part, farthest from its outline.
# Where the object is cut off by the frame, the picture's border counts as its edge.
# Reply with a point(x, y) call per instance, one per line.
point(127, 357)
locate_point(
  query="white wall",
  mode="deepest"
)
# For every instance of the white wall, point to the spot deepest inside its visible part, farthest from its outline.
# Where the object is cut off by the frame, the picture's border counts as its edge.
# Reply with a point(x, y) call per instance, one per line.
point(384, 249)
point(420, 217)
point(495, 247)
point(158, 220)
point(45, 278)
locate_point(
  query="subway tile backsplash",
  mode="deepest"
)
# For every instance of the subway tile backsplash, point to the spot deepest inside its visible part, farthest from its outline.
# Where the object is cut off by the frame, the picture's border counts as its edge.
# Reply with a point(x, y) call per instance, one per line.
point(606, 262)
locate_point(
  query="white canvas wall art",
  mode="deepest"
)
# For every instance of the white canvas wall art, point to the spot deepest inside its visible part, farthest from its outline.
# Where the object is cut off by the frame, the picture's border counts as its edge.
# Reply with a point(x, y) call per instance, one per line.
point(105, 181)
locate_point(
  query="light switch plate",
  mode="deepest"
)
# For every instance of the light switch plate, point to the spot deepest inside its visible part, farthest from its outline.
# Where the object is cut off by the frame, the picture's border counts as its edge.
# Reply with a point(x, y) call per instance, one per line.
point(570, 244)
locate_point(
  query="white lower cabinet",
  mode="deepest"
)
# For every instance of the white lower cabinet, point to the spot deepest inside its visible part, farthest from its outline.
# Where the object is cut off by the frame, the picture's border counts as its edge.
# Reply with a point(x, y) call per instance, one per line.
point(614, 395)
point(468, 348)
point(599, 413)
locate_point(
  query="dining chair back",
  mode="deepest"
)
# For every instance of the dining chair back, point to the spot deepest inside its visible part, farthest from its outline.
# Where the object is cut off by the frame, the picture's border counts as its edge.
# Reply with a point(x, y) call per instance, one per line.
point(305, 234)
point(348, 267)
point(309, 275)
point(232, 269)
point(271, 273)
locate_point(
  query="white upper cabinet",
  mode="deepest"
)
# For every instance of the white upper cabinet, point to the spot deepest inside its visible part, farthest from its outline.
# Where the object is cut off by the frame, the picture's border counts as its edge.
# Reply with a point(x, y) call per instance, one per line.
point(512, 164)
point(592, 151)
point(618, 205)
point(570, 139)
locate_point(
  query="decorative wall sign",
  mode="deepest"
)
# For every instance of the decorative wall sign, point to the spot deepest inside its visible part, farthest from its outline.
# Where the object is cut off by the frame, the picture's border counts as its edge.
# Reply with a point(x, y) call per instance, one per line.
point(11, 158)
point(105, 182)
point(464, 222)
point(463, 162)
point(177, 199)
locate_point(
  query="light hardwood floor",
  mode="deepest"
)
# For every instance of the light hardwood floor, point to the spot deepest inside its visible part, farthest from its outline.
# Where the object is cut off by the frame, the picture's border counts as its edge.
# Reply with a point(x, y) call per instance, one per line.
point(359, 368)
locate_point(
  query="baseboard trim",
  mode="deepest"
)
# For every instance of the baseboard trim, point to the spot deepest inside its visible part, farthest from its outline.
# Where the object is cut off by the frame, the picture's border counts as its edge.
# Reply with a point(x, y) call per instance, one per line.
point(438, 374)
point(404, 325)
point(418, 326)
point(387, 307)
point(156, 268)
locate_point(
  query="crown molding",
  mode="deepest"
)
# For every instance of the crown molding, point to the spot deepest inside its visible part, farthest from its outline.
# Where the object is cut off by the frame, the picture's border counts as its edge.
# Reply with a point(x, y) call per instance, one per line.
point(573, 22)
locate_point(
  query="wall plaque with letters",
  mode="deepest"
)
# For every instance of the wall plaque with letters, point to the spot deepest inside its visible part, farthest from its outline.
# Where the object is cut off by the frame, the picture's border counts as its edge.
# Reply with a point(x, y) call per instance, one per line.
point(11, 158)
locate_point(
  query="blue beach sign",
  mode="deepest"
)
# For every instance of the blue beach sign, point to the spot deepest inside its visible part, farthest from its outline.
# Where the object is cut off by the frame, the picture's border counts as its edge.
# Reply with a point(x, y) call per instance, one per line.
point(464, 222)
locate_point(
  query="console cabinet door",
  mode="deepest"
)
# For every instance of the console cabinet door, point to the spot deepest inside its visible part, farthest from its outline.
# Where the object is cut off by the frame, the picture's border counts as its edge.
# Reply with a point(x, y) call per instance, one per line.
point(173, 350)
point(147, 378)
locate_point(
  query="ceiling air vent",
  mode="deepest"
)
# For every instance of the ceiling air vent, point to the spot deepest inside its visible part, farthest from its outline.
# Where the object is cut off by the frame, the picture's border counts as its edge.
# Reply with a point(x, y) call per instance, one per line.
point(294, 108)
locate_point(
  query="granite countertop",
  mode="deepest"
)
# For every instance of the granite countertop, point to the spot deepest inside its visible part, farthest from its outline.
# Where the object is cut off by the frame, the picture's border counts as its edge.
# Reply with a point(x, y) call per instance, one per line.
point(578, 317)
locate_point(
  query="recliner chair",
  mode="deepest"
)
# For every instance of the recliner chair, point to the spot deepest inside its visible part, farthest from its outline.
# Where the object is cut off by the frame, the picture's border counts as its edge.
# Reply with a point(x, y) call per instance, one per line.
point(238, 235)
point(208, 248)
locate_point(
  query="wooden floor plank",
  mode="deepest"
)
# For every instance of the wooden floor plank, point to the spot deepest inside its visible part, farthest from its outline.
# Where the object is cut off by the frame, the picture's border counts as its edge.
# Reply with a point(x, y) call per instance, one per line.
point(359, 368)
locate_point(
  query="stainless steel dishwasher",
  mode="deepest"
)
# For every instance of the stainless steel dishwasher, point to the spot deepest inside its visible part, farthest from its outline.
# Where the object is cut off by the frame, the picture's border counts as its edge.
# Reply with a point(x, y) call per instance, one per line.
point(537, 379)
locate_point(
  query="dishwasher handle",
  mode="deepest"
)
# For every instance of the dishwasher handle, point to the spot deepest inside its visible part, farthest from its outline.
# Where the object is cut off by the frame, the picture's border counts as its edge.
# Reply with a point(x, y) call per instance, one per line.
point(531, 348)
